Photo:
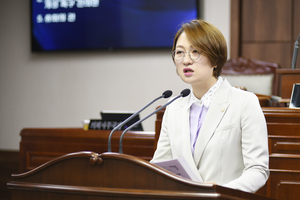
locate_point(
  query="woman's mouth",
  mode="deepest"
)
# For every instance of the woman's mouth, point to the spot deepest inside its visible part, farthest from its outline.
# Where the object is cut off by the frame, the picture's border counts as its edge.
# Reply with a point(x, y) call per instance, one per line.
point(188, 71)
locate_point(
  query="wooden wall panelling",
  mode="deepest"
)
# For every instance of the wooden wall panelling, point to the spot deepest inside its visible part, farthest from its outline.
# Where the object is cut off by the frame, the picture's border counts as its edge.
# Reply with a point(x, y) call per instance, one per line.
point(235, 40)
point(271, 52)
point(266, 21)
point(296, 12)
point(265, 30)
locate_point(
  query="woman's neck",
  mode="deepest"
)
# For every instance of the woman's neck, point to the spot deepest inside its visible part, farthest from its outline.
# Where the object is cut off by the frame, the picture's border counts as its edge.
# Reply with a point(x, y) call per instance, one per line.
point(200, 89)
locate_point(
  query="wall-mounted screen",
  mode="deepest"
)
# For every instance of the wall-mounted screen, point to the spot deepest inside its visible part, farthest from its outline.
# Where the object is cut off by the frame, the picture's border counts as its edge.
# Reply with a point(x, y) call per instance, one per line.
point(58, 25)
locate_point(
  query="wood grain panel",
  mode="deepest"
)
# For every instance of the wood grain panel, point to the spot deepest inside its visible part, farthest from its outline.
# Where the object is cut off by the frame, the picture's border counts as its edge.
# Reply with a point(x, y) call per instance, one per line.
point(284, 129)
point(285, 188)
point(35, 159)
point(280, 53)
point(288, 146)
point(284, 162)
point(296, 26)
point(296, 20)
point(41, 145)
point(287, 82)
point(283, 193)
point(284, 145)
point(235, 39)
point(268, 20)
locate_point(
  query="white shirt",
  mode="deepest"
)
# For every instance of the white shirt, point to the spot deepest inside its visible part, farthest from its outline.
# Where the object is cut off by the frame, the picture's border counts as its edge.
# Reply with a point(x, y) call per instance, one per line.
point(198, 110)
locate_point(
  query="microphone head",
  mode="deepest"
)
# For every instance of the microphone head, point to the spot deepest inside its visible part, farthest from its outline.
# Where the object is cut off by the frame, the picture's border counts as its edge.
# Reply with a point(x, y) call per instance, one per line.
point(167, 93)
point(185, 92)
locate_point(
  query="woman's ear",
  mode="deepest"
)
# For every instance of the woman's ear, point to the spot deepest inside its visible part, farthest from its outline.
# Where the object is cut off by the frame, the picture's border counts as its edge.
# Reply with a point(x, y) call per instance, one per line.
point(214, 70)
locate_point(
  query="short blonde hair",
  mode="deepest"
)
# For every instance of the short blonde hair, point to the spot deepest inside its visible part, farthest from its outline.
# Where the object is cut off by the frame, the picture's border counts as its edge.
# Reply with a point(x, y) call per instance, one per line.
point(208, 39)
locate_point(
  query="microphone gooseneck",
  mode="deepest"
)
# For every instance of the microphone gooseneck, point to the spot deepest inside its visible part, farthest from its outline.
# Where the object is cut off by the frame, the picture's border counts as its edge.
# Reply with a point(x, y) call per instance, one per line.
point(166, 94)
point(183, 93)
point(295, 53)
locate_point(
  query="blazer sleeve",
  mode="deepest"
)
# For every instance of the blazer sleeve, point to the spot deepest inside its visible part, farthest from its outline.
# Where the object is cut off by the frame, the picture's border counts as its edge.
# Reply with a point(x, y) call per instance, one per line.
point(163, 151)
point(254, 148)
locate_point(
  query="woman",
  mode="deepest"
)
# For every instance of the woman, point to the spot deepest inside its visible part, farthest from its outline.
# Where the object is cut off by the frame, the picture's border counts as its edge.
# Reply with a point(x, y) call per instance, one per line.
point(219, 130)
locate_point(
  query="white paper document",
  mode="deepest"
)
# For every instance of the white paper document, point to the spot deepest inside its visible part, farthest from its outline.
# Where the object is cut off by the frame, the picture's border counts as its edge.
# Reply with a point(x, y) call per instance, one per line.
point(180, 167)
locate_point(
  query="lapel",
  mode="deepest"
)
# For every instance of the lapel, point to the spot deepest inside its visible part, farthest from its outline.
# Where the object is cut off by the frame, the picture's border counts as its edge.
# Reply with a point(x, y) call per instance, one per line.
point(217, 109)
point(183, 128)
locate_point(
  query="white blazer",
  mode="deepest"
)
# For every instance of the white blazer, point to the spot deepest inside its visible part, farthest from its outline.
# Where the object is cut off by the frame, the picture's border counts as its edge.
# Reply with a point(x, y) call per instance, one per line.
point(232, 146)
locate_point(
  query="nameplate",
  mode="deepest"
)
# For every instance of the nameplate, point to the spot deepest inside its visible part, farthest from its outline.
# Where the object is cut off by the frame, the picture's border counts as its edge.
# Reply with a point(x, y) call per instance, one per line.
point(97, 124)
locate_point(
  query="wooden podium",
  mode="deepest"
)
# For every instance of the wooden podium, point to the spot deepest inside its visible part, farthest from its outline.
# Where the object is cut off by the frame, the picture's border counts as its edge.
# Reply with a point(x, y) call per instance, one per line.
point(88, 175)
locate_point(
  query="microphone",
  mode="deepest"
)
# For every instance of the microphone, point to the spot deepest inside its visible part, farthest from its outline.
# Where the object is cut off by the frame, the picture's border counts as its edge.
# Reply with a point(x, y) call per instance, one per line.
point(166, 94)
point(183, 93)
point(295, 53)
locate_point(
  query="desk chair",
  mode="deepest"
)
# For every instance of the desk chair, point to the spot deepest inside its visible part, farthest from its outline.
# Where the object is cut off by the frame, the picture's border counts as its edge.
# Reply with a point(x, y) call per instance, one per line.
point(255, 76)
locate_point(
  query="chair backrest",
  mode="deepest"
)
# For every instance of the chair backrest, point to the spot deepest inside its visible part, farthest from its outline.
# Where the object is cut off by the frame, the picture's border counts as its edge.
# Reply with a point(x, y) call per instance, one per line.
point(256, 76)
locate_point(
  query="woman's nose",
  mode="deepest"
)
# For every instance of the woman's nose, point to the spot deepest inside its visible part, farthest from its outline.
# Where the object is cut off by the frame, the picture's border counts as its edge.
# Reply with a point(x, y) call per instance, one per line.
point(187, 59)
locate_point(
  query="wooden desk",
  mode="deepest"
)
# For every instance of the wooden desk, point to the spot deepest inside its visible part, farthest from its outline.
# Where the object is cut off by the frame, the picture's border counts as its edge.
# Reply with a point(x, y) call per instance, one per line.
point(112, 176)
point(284, 149)
point(41, 145)
point(286, 79)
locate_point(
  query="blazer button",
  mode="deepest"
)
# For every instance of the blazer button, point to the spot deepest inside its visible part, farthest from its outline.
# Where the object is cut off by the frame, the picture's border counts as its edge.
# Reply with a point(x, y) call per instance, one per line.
point(222, 109)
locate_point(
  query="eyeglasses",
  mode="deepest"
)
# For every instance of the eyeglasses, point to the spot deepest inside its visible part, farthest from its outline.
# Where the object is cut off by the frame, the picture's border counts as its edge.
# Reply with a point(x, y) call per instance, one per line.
point(179, 55)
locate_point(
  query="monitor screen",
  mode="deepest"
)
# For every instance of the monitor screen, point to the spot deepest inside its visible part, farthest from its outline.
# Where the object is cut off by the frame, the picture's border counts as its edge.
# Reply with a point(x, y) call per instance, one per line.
point(64, 25)
point(120, 116)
